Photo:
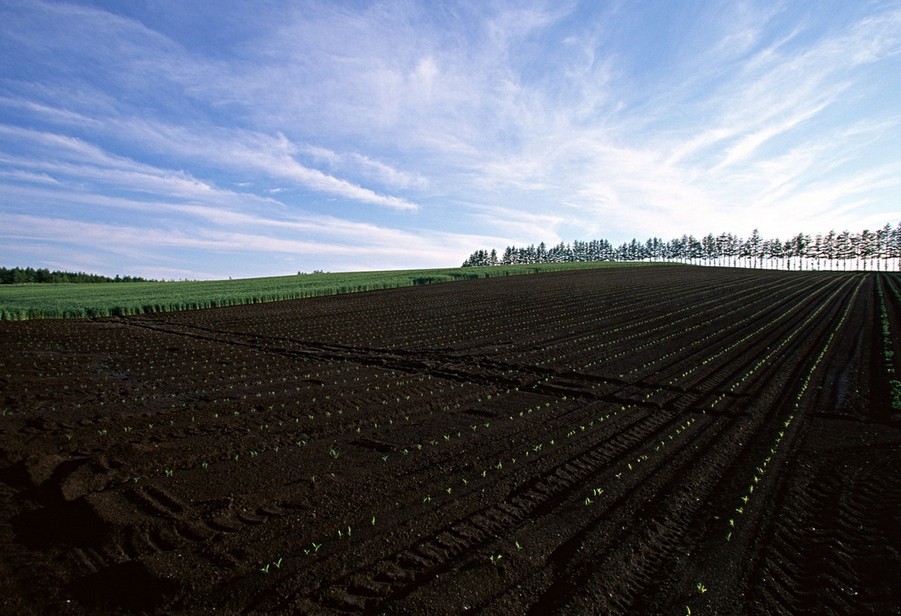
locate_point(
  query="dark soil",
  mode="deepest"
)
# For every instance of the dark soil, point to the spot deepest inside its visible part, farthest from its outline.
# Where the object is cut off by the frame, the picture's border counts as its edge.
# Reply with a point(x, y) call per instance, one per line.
point(662, 440)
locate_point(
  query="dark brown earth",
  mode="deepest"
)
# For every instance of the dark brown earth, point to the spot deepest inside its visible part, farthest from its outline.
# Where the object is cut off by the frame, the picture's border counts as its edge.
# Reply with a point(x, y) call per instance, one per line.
point(662, 440)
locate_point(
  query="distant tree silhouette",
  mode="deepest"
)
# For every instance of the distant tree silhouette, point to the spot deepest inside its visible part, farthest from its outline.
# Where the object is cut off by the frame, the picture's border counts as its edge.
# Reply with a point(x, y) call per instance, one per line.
point(866, 250)
point(20, 275)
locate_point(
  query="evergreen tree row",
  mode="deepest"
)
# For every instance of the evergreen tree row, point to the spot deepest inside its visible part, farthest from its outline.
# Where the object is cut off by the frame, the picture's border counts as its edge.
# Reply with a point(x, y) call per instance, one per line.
point(867, 250)
point(18, 275)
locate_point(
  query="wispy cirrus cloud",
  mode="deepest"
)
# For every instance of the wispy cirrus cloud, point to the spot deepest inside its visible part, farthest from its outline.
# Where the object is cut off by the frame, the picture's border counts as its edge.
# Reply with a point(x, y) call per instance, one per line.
point(27, 176)
point(495, 122)
point(273, 155)
point(234, 238)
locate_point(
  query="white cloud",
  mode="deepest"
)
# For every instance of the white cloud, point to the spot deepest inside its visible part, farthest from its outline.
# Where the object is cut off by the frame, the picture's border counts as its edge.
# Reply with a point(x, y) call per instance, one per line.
point(276, 156)
point(53, 114)
point(27, 176)
point(351, 243)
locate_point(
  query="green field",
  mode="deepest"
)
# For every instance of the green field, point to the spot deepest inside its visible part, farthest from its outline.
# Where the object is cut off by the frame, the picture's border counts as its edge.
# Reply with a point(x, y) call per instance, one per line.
point(69, 300)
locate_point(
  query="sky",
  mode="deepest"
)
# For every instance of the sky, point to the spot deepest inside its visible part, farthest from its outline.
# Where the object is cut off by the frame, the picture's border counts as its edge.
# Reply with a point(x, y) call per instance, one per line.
point(214, 139)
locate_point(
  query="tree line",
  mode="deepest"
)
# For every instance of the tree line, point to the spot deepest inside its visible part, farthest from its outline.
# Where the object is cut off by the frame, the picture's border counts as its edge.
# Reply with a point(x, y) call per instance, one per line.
point(20, 275)
point(866, 250)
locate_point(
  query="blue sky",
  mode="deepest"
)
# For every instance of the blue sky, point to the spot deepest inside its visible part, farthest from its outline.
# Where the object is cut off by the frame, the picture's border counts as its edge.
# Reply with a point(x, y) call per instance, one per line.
point(211, 139)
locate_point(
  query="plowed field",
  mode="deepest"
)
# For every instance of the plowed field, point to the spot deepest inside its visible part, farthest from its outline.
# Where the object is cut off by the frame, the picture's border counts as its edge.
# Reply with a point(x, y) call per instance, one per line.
point(666, 440)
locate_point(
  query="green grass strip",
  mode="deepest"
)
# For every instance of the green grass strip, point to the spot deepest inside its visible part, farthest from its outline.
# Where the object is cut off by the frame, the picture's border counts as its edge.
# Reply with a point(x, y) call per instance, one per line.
point(89, 300)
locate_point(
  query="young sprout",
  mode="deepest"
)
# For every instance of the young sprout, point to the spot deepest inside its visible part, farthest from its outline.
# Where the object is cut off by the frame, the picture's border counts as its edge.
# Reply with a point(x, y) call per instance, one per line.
point(701, 588)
